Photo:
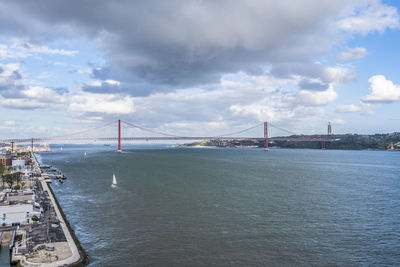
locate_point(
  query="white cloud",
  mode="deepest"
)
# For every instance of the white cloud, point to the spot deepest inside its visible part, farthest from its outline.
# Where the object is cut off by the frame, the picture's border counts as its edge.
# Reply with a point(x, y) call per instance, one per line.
point(372, 17)
point(21, 103)
point(342, 108)
point(98, 83)
point(19, 49)
point(361, 107)
point(101, 103)
point(382, 90)
point(316, 98)
point(261, 112)
point(6, 53)
point(367, 109)
point(15, 93)
point(29, 48)
point(7, 123)
point(10, 73)
point(338, 121)
point(44, 94)
point(94, 83)
point(112, 82)
point(85, 71)
point(241, 100)
point(337, 75)
point(350, 54)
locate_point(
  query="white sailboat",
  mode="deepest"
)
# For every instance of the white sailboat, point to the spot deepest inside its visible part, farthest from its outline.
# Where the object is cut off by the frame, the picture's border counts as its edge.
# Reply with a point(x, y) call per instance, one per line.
point(114, 183)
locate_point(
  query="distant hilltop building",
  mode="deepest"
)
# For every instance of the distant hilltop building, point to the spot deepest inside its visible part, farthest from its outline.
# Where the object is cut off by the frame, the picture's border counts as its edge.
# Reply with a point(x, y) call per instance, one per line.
point(329, 129)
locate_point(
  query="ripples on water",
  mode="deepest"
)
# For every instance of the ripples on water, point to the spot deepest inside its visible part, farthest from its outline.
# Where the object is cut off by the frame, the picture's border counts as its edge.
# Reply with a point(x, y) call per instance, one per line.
point(232, 206)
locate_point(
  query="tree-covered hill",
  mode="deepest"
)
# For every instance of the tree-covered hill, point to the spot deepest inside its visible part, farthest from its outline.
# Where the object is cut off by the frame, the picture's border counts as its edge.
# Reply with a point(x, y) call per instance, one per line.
point(342, 141)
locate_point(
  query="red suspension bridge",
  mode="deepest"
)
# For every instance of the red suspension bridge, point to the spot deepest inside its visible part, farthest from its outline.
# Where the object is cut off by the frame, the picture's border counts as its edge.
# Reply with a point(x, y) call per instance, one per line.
point(167, 137)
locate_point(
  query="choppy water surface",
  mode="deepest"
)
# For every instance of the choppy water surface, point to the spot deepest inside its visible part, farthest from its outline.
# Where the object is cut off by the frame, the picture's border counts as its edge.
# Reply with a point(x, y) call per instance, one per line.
point(225, 207)
point(5, 256)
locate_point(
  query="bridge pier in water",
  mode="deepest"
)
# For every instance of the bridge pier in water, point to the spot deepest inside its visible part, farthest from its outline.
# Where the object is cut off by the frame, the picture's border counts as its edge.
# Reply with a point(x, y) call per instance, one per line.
point(119, 135)
point(266, 136)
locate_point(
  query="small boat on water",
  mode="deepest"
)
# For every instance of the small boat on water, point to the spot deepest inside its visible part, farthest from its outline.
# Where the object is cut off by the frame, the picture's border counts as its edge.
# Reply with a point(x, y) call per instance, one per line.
point(114, 183)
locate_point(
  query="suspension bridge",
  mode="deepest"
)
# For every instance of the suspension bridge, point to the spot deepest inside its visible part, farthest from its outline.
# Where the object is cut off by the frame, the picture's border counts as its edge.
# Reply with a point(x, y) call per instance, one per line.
point(71, 137)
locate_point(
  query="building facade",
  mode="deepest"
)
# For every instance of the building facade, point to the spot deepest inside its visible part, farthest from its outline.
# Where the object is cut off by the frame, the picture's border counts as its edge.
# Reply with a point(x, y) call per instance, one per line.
point(6, 160)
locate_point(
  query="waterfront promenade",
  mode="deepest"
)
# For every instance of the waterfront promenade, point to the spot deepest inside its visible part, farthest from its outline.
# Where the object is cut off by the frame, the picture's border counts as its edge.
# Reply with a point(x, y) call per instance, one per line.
point(65, 252)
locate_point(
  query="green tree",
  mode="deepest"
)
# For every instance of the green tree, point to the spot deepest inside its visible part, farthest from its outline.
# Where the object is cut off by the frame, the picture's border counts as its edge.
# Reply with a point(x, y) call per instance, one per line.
point(3, 182)
point(17, 187)
point(17, 177)
point(2, 169)
point(9, 179)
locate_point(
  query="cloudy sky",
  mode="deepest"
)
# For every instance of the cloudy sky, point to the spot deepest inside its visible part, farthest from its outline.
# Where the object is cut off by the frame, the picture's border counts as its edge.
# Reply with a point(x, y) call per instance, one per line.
point(194, 67)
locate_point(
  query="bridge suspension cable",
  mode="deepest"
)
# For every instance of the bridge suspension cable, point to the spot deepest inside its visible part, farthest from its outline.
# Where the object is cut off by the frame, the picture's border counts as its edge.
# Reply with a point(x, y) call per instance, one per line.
point(279, 128)
point(82, 132)
point(149, 130)
point(241, 131)
point(171, 135)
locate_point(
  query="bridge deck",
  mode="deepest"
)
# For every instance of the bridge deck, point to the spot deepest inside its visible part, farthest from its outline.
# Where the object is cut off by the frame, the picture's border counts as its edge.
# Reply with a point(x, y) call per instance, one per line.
point(167, 138)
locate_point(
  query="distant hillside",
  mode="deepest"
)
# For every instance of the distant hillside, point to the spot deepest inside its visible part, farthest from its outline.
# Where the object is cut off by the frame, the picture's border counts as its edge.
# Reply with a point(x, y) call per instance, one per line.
point(343, 141)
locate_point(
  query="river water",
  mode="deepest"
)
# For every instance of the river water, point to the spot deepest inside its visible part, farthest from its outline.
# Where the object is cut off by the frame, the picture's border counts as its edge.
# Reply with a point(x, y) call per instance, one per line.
point(231, 207)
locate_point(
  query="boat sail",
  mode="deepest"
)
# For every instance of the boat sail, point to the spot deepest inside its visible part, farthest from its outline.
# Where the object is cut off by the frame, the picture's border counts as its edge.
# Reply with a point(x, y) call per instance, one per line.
point(114, 183)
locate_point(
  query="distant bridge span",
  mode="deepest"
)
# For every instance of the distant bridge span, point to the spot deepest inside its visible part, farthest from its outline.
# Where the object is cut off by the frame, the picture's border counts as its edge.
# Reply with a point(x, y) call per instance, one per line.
point(168, 137)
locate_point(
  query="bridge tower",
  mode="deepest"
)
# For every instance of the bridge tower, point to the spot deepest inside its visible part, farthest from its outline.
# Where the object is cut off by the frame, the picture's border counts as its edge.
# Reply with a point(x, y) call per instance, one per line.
point(32, 146)
point(119, 135)
point(266, 135)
